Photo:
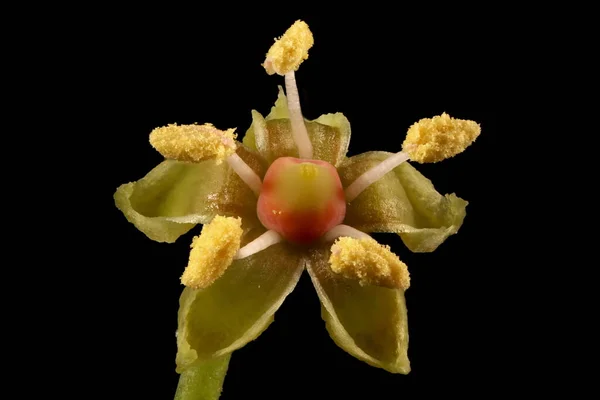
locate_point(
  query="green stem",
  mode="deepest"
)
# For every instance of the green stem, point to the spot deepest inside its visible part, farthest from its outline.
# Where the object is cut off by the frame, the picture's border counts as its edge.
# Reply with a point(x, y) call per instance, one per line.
point(203, 381)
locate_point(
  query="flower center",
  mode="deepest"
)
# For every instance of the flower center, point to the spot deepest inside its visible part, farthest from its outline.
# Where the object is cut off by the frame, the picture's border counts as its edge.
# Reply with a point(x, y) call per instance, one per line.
point(301, 199)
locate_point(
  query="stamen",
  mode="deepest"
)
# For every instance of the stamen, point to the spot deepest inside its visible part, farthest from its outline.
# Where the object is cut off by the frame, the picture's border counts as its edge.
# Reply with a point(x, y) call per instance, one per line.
point(284, 57)
point(374, 174)
point(299, 132)
point(265, 240)
point(427, 141)
point(246, 173)
point(343, 230)
point(368, 262)
point(196, 143)
point(212, 251)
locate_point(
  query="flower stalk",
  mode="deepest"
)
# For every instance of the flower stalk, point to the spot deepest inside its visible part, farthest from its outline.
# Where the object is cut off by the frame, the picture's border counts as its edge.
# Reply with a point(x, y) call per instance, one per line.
point(203, 381)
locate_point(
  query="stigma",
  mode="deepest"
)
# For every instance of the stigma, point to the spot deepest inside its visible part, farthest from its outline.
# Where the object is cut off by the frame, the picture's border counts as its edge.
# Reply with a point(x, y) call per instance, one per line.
point(301, 199)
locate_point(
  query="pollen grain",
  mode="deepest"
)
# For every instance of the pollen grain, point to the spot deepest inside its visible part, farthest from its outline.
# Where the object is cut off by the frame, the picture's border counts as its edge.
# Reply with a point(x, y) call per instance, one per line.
point(288, 52)
point(212, 251)
point(368, 262)
point(193, 143)
point(435, 139)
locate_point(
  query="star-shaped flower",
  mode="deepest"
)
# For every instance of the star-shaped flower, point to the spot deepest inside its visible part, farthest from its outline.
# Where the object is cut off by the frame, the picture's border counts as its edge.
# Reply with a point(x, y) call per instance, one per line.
point(283, 200)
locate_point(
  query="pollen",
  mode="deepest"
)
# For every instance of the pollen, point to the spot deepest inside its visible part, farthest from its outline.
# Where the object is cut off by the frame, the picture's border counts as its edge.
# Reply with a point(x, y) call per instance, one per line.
point(212, 251)
point(435, 139)
point(193, 143)
point(368, 262)
point(288, 52)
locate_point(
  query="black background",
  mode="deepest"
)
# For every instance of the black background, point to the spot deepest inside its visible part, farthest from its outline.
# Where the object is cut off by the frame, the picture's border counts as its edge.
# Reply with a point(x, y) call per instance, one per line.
point(383, 77)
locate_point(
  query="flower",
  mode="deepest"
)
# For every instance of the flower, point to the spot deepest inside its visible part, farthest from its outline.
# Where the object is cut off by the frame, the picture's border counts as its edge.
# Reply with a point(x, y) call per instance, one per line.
point(285, 199)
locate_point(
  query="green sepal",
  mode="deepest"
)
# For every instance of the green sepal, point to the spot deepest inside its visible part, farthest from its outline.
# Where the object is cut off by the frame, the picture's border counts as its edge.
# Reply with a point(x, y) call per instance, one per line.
point(404, 202)
point(368, 322)
point(175, 196)
point(238, 306)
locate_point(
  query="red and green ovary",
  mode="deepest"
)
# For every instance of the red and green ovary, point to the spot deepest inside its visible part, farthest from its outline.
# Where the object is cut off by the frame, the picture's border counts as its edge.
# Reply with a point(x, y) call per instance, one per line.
point(301, 199)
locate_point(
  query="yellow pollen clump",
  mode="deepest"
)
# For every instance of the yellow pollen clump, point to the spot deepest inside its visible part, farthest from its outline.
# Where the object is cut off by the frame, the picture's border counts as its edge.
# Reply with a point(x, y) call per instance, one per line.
point(290, 50)
point(212, 252)
point(368, 262)
point(193, 143)
point(435, 139)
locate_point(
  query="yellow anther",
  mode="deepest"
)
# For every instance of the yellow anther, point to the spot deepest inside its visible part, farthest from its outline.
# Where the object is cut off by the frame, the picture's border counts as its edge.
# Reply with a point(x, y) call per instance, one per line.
point(435, 139)
point(193, 143)
point(290, 50)
point(212, 252)
point(368, 262)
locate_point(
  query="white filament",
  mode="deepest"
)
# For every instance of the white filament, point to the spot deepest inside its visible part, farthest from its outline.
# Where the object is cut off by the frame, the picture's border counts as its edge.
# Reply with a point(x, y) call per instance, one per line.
point(374, 174)
point(265, 240)
point(246, 173)
point(299, 132)
point(343, 230)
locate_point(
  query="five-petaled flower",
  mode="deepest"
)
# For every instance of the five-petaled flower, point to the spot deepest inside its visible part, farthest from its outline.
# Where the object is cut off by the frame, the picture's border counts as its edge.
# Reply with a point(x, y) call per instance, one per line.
point(288, 199)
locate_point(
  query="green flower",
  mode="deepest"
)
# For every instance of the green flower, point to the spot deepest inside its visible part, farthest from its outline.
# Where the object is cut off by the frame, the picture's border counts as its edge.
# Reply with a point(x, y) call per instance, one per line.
point(246, 261)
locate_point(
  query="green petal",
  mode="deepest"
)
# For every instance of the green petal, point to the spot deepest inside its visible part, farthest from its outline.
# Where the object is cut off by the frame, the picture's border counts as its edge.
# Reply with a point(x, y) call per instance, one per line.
point(272, 136)
point(280, 109)
point(330, 137)
point(403, 202)
point(369, 322)
point(238, 307)
point(249, 137)
point(174, 197)
point(171, 199)
point(204, 380)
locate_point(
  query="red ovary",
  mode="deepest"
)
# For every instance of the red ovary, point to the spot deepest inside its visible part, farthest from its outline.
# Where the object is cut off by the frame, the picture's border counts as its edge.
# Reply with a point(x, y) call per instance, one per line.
point(301, 202)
